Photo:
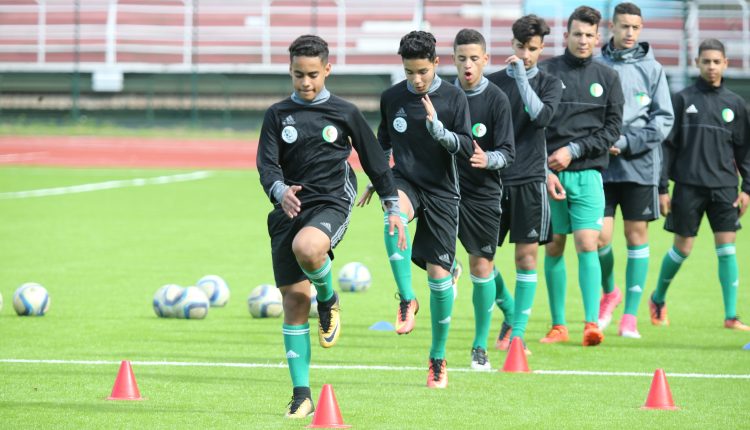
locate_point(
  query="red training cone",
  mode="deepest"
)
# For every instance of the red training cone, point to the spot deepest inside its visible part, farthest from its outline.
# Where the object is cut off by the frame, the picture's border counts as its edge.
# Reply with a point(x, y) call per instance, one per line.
point(125, 387)
point(516, 359)
point(659, 396)
point(327, 414)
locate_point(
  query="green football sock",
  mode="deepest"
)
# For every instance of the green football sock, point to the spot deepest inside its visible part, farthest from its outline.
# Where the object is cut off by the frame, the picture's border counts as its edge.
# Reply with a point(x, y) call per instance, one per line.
point(503, 297)
point(322, 278)
point(526, 281)
point(607, 261)
point(400, 260)
point(635, 277)
point(729, 278)
point(590, 279)
point(556, 277)
point(483, 299)
point(441, 307)
point(297, 345)
point(669, 267)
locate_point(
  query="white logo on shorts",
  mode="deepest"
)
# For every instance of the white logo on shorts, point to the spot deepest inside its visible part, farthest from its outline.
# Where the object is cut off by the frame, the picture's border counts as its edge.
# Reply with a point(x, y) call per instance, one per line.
point(399, 124)
point(533, 233)
point(327, 225)
point(445, 258)
point(289, 134)
point(487, 248)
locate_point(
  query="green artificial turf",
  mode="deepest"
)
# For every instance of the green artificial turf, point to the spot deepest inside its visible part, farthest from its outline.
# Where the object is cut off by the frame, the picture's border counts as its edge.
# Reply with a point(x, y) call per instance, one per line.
point(103, 254)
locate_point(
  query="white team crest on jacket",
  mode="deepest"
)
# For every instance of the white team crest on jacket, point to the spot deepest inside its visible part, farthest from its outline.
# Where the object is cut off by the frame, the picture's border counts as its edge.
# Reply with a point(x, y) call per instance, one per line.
point(289, 134)
point(479, 130)
point(399, 124)
point(643, 99)
point(330, 133)
point(727, 114)
point(596, 89)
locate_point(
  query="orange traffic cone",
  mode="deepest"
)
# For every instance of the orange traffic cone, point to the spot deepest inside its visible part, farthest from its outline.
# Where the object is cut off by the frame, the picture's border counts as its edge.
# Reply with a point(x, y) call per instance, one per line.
point(327, 414)
point(516, 359)
point(125, 387)
point(659, 396)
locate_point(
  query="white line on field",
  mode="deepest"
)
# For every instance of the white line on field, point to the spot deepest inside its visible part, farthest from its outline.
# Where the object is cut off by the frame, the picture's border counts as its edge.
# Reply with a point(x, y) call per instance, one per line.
point(108, 185)
point(358, 367)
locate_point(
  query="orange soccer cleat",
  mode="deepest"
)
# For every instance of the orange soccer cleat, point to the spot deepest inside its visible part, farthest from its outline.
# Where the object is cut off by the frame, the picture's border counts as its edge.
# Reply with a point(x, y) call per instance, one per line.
point(558, 333)
point(658, 312)
point(503, 338)
point(736, 324)
point(592, 336)
point(405, 318)
point(437, 376)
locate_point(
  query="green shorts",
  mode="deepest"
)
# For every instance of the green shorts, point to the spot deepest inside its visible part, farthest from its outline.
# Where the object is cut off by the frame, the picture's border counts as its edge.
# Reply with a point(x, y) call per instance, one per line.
point(583, 207)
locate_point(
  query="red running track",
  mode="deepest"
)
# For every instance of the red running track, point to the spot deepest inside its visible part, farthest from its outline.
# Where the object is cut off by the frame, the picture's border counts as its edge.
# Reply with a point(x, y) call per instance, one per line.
point(86, 151)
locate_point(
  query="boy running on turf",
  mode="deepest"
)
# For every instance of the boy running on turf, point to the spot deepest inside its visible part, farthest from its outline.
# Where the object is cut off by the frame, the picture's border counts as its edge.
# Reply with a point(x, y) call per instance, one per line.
point(708, 145)
point(425, 123)
point(479, 176)
point(534, 96)
point(302, 161)
point(632, 177)
point(586, 124)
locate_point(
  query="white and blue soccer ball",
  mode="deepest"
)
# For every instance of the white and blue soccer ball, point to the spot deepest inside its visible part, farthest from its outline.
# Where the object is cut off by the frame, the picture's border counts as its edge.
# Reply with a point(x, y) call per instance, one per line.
point(313, 302)
point(192, 304)
point(354, 277)
point(265, 302)
point(216, 289)
point(31, 299)
point(166, 298)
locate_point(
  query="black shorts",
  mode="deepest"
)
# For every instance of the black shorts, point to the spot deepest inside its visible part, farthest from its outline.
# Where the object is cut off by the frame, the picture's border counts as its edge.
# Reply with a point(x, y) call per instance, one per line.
point(331, 219)
point(690, 202)
point(479, 226)
point(525, 214)
point(437, 226)
point(637, 202)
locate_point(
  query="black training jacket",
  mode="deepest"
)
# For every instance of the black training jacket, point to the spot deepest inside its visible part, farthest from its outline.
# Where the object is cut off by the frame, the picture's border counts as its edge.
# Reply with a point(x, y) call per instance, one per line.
point(590, 110)
point(709, 140)
point(308, 145)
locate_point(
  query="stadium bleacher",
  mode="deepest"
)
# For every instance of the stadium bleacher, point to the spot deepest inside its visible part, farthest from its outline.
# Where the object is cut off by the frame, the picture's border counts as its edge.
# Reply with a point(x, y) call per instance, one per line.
point(111, 42)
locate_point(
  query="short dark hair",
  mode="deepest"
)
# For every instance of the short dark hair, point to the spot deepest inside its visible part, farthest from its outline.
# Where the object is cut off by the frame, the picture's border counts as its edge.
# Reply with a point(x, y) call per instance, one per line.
point(711, 45)
point(626, 9)
point(309, 45)
point(417, 45)
point(586, 14)
point(467, 36)
point(529, 26)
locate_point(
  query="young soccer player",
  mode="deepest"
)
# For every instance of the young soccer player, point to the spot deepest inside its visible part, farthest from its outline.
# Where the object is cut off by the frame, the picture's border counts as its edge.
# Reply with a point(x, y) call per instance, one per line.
point(302, 161)
point(479, 178)
point(425, 124)
point(709, 143)
point(534, 96)
point(632, 177)
point(587, 123)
